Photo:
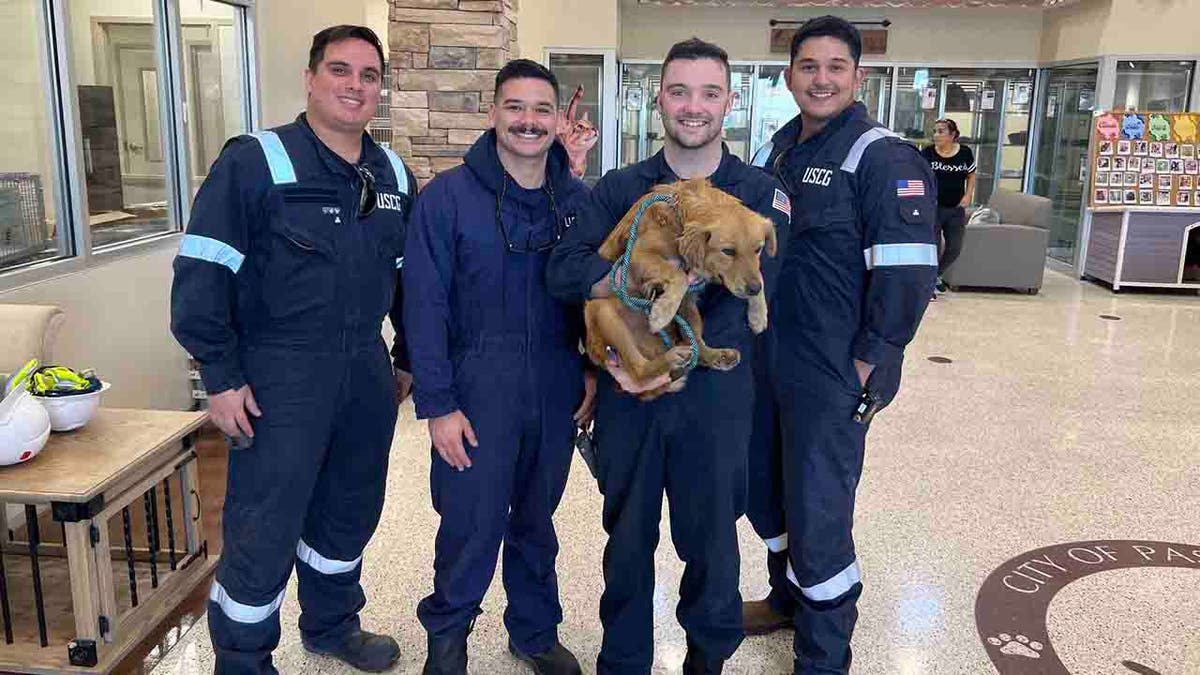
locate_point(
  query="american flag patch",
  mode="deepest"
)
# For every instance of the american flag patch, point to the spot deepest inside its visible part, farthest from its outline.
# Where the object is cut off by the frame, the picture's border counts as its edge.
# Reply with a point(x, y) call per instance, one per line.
point(910, 188)
point(781, 203)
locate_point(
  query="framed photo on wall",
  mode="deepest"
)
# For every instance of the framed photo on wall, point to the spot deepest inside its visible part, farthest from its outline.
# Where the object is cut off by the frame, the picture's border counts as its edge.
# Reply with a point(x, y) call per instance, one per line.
point(1103, 163)
point(1187, 150)
point(1131, 179)
point(1191, 166)
point(1124, 147)
point(1187, 182)
point(1162, 166)
point(1164, 198)
point(1183, 199)
point(1147, 165)
point(1146, 180)
point(1176, 165)
point(1106, 147)
point(1102, 178)
point(1114, 196)
point(1156, 149)
point(1171, 150)
point(1100, 196)
point(1118, 163)
point(1141, 147)
point(1164, 182)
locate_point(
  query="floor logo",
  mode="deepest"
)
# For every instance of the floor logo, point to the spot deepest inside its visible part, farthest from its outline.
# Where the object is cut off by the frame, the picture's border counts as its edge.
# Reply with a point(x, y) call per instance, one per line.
point(1010, 610)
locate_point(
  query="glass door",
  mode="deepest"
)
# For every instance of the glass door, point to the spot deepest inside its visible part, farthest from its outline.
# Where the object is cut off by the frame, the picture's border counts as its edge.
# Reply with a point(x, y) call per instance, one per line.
point(573, 70)
point(1059, 172)
point(737, 122)
point(876, 91)
point(773, 104)
point(991, 107)
point(641, 126)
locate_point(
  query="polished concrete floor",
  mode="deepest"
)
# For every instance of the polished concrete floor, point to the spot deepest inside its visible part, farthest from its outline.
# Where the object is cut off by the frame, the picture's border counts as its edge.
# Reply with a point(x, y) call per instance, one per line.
point(1051, 425)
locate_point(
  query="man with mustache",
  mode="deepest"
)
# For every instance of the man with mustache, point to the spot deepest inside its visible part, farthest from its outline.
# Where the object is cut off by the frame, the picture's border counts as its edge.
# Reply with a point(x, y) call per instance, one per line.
point(283, 278)
point(691, 444)
point(498, 373)
point(858, 274)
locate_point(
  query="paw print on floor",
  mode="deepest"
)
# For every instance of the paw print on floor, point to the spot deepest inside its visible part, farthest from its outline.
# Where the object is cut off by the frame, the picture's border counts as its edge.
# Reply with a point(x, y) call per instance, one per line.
point(1017, 646)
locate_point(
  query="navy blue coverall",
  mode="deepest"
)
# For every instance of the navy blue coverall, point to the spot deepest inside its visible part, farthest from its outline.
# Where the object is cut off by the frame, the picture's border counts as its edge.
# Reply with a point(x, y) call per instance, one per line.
point(855, 282)
point(486, 338)
point(280, 285)
point(692, 444)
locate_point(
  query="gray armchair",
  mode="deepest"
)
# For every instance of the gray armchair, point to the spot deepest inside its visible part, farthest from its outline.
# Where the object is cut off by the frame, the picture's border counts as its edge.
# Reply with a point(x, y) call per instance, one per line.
point(1009, 255)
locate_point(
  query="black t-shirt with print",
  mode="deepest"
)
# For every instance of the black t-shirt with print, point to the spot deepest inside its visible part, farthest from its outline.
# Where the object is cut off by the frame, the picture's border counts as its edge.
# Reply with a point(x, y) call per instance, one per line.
point(951, 173)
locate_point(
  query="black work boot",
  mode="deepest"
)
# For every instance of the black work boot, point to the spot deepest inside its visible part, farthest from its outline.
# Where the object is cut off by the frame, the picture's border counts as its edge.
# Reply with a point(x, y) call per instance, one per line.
point(760, 618)
point(697, 663)
point(447, 653)
point(362, 650)
point(557, 660)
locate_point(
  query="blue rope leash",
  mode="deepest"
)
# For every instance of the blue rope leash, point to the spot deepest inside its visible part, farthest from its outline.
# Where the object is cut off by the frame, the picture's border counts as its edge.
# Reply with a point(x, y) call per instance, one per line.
point(618, 280)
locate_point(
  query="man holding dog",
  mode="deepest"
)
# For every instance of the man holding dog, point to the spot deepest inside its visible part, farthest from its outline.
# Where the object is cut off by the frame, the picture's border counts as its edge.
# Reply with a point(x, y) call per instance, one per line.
point(690, 444)
point(858, 274)
point(497, 373)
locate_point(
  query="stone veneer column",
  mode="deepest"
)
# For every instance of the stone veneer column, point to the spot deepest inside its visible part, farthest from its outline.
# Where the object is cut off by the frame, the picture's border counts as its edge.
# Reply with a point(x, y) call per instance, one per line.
point(444, 58)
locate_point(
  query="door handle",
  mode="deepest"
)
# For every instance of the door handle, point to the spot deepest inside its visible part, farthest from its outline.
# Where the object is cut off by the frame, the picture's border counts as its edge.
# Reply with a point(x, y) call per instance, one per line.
point(133, 147)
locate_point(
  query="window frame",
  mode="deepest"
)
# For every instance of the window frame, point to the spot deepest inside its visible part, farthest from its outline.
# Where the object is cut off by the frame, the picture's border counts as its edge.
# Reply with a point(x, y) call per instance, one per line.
point(68, 180)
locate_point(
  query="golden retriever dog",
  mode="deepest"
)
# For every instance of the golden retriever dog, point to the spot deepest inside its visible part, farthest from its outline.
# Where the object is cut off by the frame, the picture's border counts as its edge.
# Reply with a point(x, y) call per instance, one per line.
point(704, 234)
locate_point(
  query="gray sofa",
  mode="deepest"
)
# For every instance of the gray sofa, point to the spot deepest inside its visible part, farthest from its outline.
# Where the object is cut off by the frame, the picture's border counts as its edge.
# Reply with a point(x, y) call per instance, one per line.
point(1009, 255)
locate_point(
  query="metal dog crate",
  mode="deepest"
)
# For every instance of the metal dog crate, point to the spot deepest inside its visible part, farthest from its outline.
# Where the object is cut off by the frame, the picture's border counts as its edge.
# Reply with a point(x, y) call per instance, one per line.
point(22, 217)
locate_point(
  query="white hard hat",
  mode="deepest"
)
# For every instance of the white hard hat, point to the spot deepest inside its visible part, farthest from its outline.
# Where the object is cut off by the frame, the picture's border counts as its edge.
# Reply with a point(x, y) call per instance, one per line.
point(68, 413)
point(24, 427)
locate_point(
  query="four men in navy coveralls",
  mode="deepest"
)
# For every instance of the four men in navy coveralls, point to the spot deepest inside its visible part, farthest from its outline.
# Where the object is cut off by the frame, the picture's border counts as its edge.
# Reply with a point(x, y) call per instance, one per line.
point(292, 258)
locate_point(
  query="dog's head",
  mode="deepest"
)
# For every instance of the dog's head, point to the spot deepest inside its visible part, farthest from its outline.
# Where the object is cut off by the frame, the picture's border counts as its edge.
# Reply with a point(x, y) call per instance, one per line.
point(722, 239)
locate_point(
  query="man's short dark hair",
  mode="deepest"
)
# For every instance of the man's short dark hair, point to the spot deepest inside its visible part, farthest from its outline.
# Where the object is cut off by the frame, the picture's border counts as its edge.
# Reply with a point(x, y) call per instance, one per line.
point(520, 68)
point(695, 49)
point(829, 26)
point(333, 34)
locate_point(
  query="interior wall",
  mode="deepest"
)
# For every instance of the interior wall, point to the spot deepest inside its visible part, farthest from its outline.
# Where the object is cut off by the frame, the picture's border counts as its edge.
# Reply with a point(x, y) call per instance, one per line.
point(928, 35)
point(284, 36)
point(593, 24)
point(1121, 28)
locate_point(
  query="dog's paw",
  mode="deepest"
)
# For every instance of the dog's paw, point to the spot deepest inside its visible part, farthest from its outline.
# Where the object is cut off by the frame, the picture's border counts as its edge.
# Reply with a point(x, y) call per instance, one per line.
point(757, 315)
point(726, 359)
point(676, 385)
point(678, 358)
point(661, 314)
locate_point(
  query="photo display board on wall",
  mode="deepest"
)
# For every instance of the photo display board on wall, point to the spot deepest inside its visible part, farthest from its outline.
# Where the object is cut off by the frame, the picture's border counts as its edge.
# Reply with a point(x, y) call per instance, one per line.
point(1146, 159)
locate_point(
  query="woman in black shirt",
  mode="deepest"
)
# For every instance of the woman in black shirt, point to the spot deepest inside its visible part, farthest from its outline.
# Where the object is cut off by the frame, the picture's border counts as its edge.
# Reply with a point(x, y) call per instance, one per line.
point(954, 168)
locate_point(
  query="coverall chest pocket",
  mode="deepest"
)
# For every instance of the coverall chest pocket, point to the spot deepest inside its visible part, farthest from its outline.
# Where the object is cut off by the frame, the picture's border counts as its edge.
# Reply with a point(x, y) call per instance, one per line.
point(301, 273)
point(816, 191)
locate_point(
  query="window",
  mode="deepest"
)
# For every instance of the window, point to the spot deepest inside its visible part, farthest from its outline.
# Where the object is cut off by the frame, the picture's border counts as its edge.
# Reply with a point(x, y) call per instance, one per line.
point(32, 228)
point(146, 137)
point(125, 154)
point(1153, 86)
point(213, 77)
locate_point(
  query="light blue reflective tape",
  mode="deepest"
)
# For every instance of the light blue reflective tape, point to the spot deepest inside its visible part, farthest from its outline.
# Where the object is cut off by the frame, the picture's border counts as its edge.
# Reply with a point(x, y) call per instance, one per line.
point(322, 564)
point(399, 262)
point(777, 544)
point(832, 588)
point(895, 255)
point(860, 146)
point(398, 169)
point(764, 153)
point(204, 248)
point(282, 171)
point(238, 612)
